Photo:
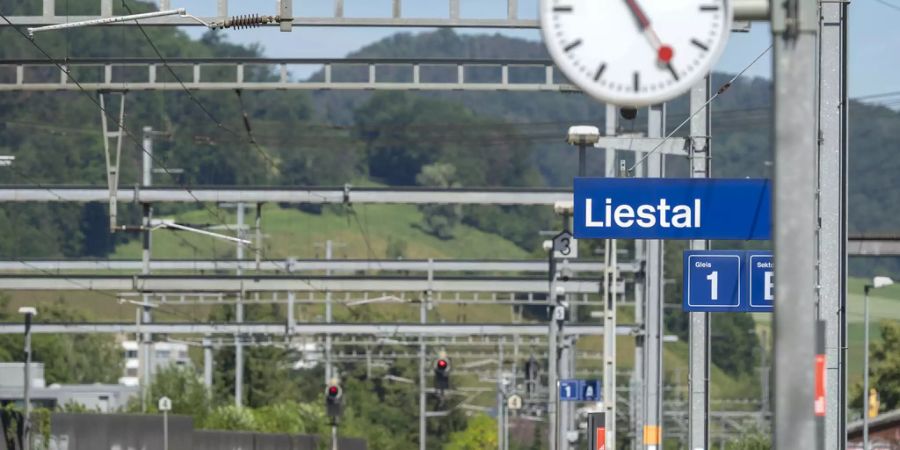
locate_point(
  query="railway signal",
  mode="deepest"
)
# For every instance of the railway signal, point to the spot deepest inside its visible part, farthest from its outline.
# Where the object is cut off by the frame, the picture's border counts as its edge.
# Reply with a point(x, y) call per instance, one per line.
point(442, 374)
point(334, 399)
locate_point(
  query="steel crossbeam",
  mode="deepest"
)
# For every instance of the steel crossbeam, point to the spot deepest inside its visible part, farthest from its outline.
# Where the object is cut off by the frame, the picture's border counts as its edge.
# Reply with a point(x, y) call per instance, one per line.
point(384, 329)
point(164, 283)
point(291, 195)
point(399, 14)
point(305, 265)
point(217, 74)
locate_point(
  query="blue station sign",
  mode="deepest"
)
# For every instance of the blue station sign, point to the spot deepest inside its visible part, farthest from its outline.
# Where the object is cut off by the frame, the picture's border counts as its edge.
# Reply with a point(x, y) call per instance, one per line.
point(728, 281)
point(668, 208)
point(576, 390)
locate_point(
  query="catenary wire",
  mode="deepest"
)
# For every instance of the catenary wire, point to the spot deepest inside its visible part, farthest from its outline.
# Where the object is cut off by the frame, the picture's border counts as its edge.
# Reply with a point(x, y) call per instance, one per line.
point(721, 90)
point(138, 144)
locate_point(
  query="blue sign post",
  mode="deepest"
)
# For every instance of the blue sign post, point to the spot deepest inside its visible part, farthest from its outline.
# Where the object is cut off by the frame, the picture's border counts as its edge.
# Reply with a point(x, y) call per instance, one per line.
point(713, 280)
point(590, 390)
point(666, 208)
point(728, 281)
point(569, 390)
point(579, 390)
point(762, 280)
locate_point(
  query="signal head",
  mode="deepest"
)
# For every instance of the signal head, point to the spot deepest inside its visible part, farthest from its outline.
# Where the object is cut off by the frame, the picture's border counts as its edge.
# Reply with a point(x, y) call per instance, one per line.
point(333, 391)
point(442, 366)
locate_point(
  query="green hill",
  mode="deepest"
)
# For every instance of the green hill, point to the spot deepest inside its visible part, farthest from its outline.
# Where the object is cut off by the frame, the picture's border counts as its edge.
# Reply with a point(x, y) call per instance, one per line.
point(374, 232)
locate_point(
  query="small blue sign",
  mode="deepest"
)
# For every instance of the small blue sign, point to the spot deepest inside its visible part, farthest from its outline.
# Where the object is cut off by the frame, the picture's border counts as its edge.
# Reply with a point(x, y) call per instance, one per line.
point(762, 280)
point(667, 208)
point(590, 390)
point(728, 281)
point(713, 280)
point(569, 390)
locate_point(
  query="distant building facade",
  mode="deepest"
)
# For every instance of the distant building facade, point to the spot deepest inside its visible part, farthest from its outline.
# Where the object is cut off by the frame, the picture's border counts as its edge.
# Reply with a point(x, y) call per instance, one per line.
point(884, 432)
point(162, 354)
point(94, 397)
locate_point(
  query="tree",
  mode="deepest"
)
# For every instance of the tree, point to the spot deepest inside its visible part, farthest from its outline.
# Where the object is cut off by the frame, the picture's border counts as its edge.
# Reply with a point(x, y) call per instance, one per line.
point(480, 434)
point(439, 220)
point(751, 441)
point(884, 369)
point(72, 359)
point(182, 385)
point(231, 417)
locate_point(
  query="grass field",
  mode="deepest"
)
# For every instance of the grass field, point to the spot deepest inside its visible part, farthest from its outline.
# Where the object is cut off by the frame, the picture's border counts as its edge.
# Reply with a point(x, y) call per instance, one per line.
point(293, 233)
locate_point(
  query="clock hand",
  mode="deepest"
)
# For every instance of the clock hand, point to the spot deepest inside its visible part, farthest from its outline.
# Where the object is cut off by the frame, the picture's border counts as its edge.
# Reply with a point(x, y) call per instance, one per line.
point(663, 52)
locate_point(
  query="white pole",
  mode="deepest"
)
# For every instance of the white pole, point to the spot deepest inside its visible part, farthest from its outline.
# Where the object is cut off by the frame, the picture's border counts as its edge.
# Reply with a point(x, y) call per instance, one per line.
point(165, 430)
point(866, 370)
point(27, 418)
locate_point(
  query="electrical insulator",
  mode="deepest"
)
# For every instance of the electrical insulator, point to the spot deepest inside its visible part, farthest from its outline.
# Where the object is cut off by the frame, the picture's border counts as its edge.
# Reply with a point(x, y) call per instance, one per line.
point(442, 374)
point(245, 21)
point(334, 397)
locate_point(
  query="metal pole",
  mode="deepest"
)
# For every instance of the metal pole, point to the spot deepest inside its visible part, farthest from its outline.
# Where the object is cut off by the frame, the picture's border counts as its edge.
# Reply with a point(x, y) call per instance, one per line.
point(794, 29)
point(239, 310)
point(500, 435)
point(259, 243)
point(698, 378)
point(609, 305)
point(423, 318)
point(334, 437)
point(563, 416)
point(208, 364)
point(422, 410)
point(653, 334)
point(165, 430)
point(637, 374)
point(552, 378)
point(582, 160)
point(638, 378)
point(147, 209)
point(291, 317)
point(328, 317)
point(147, 156)
point(832, 208)
point(27, 419)
point(866, 369)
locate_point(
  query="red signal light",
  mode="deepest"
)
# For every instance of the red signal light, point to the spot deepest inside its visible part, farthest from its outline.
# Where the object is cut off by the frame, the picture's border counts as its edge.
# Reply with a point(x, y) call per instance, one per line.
point(332, 390)
point(442, 364)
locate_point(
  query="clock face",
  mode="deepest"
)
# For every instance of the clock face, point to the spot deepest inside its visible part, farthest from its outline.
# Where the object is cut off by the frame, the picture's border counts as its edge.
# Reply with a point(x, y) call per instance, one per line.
point(635, 52)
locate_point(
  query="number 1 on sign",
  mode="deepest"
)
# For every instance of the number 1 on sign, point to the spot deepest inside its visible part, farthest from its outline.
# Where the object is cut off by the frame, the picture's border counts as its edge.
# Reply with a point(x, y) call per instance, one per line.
point(713, 285)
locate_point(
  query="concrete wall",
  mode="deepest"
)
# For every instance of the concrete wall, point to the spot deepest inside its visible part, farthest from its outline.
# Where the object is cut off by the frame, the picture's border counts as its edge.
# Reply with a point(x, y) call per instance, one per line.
point(145, 432)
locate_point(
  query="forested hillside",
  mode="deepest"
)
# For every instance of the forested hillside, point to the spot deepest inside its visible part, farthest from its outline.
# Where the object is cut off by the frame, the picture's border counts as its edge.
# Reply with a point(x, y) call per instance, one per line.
point(332, 138)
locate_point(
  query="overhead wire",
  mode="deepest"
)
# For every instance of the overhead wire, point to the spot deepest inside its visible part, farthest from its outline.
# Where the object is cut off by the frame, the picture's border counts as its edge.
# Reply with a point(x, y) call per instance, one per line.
point(140, 146)
point(720, 91)
point(209, 114)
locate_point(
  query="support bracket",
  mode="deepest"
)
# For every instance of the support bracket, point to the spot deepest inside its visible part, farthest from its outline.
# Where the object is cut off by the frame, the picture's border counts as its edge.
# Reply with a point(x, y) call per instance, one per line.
point(112, 161)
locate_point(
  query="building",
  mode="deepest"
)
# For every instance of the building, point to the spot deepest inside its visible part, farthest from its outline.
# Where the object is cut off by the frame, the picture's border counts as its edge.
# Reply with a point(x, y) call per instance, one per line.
point(162, 354)
point(884, 432)
point(94, 397)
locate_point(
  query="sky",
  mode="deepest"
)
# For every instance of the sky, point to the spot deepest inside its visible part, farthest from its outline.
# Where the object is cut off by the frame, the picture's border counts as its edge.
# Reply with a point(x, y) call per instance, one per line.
point(874, 40)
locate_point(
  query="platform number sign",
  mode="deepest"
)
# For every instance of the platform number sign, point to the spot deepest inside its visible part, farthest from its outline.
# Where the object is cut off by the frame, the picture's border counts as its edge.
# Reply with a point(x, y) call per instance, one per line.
point(714, 281)
point(729, 281)
point(590, 390)
point(565, 246)
point(762, 279)
point(579, 390)
point(569, 390)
